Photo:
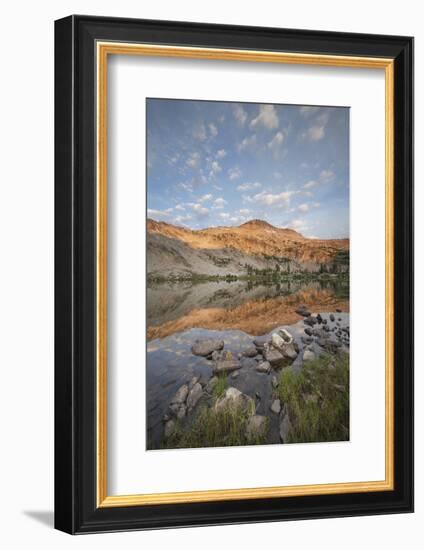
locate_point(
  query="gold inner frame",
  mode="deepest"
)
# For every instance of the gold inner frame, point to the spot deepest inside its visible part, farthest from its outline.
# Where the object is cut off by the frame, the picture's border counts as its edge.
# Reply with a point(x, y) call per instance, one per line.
point(103, 50)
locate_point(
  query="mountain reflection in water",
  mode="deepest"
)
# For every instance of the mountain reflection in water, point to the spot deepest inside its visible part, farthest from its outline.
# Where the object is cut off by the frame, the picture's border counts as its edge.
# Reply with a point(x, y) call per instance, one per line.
point(253, 308)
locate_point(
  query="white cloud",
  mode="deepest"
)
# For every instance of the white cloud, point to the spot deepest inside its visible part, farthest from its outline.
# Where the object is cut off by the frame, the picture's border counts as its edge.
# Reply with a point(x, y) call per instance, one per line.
point(303, 207)
point(314, 133)
point(267, 117)
point(224, 215)
point(219, 202)
point(269, 199)
point(244, 212)
point(198, 209)
point(276, 141)
point(213, 129)
point(234, 173)
point(193, 160)
point(174, 159)
point(298, 224)
point(215, 167)
point(221, 154)
point(309, 184)
point(153, 213)
point(199, 132)
point(205, 198)
point(247, 143)
point(239, 114)
point(183, 219)
point(249, 186)
point(317, 131)
point(186, 187)
point(179, 207)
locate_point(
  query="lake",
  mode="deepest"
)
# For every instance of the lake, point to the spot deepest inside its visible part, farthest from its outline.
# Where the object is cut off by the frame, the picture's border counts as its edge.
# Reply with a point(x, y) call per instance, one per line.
point(179, 313)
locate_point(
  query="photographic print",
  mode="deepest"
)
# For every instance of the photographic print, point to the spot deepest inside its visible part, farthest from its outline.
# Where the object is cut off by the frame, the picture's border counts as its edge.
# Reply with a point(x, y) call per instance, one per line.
point(247, 274)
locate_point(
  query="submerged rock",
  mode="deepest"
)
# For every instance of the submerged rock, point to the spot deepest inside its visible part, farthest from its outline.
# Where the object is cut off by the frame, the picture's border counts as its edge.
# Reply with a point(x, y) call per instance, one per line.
point(256, 427)
point(226, 365)
point(206, 346)
point(250, 352)
point(234, 398)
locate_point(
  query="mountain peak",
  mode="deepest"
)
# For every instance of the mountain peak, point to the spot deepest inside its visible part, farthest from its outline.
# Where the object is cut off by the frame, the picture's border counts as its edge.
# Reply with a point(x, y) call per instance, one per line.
point(257, 223)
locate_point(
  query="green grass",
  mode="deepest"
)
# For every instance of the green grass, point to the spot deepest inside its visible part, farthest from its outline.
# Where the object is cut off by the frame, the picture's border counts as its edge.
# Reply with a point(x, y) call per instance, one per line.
point(317, 399)
point(214, 429)
point(220, 386)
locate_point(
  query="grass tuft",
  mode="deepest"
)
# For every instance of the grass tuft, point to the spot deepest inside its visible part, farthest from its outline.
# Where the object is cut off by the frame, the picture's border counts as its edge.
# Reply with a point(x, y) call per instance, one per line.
point(214, 429)
point(317, 399)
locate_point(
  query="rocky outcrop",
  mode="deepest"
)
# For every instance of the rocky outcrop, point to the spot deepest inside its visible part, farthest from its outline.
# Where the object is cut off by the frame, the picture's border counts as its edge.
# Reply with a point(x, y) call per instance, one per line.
point(180, 252)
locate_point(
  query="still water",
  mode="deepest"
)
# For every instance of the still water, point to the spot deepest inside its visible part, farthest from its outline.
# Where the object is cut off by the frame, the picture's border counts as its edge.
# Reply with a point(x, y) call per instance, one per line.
point(178, 314)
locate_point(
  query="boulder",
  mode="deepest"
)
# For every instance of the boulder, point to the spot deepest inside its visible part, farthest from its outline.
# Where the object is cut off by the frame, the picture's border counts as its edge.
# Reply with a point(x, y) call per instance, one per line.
point(263, 367)
point(311, 321)
point(181, 394)
point(308, 355)
point(285, 335)
point(332, 318)
point(274, 357)
point(233, 398)
point(289, 351)
point(276, 406)
point(206, 346)
point(235, 374)
point(195, 394)
point(308, 331)
point(216, 355)
point(260, 341)
point(226, 365)
point(256, 427)
point(250, 352)
point(277, 341)
point(193, 381)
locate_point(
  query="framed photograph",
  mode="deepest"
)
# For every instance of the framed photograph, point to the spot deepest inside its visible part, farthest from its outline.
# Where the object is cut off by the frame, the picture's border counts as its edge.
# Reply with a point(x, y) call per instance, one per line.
point(234, 274)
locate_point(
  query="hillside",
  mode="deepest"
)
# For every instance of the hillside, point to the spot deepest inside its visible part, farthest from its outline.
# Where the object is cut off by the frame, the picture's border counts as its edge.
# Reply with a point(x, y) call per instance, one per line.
point(254, 245)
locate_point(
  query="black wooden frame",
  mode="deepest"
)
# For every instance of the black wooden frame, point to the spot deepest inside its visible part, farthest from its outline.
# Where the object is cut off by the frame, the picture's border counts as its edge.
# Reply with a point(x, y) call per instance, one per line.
point(75, 275)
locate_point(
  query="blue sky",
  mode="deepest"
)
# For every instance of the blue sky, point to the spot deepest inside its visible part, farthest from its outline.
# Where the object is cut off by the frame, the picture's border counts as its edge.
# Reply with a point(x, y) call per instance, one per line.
point(220, 163)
